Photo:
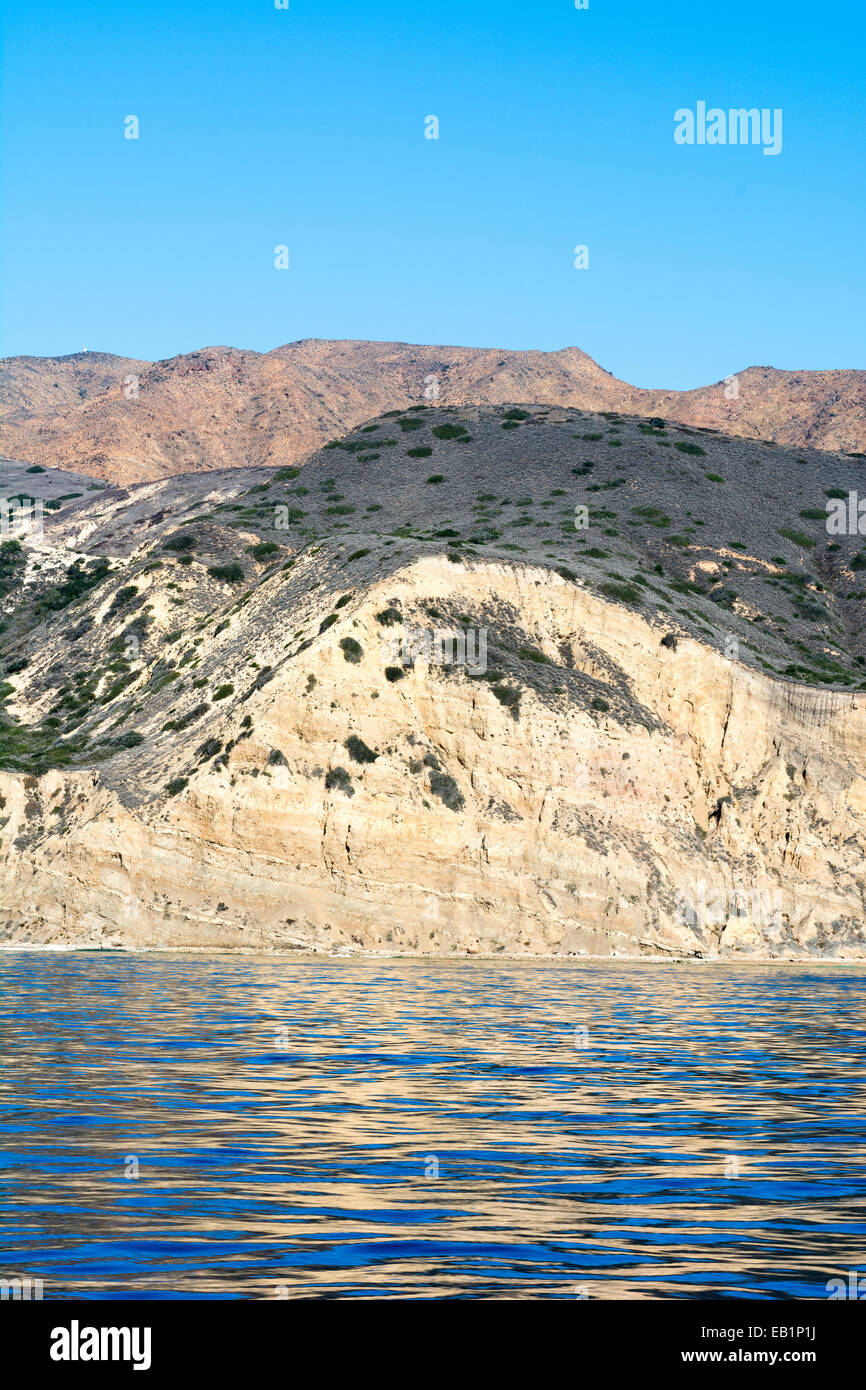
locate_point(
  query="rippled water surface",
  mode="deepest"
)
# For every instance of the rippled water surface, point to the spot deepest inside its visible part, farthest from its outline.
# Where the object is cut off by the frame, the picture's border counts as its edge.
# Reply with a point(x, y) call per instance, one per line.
point(600, 1130)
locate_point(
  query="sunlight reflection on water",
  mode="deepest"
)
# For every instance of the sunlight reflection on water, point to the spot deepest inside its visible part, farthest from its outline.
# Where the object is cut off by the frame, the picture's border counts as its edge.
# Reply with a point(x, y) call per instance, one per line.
point(621, 1129)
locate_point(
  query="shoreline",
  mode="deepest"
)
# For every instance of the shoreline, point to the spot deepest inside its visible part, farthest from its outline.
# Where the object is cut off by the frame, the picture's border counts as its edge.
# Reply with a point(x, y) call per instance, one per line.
point(310, 957)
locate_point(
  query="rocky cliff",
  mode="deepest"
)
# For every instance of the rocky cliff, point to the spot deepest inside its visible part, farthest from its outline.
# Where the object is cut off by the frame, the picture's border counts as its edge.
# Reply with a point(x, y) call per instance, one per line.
point(263, 716)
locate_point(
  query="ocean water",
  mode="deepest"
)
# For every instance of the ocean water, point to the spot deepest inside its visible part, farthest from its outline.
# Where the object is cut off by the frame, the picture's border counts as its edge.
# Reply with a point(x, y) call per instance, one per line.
point(227, 1126)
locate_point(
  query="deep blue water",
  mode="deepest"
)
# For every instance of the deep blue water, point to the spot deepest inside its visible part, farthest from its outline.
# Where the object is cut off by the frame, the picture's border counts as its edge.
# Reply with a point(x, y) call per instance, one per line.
point(599, 1129)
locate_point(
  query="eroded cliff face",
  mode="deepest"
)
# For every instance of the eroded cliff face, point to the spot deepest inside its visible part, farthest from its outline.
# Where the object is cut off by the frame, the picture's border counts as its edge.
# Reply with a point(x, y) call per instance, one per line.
point(648, 798)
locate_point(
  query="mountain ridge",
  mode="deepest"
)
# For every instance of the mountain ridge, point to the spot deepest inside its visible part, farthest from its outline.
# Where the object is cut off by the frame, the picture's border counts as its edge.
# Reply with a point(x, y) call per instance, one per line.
point(126, 420)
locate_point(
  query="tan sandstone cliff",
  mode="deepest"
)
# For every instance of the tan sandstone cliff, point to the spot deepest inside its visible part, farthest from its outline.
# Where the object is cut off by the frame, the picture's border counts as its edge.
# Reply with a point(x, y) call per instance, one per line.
point(582, 832)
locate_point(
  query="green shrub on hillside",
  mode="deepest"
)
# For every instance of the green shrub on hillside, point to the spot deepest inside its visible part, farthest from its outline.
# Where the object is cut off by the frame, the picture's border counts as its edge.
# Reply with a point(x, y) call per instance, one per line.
point(352, 650)
point(338, 779)
point(622, 592)
point(450, 431)
point(358, 750)
point(230, 574)
point(442, 784)
point(798, 537)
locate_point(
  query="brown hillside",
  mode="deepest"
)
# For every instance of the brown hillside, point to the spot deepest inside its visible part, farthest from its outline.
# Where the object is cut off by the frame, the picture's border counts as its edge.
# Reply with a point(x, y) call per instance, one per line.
point(228, 408)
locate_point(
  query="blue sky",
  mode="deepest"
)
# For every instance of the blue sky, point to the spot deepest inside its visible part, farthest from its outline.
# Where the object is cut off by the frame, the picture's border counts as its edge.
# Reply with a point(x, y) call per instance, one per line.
point(305, 127)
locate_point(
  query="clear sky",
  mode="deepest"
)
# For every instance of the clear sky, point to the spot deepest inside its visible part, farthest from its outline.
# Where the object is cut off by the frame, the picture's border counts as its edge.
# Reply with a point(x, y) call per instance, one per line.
point(305, 127)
